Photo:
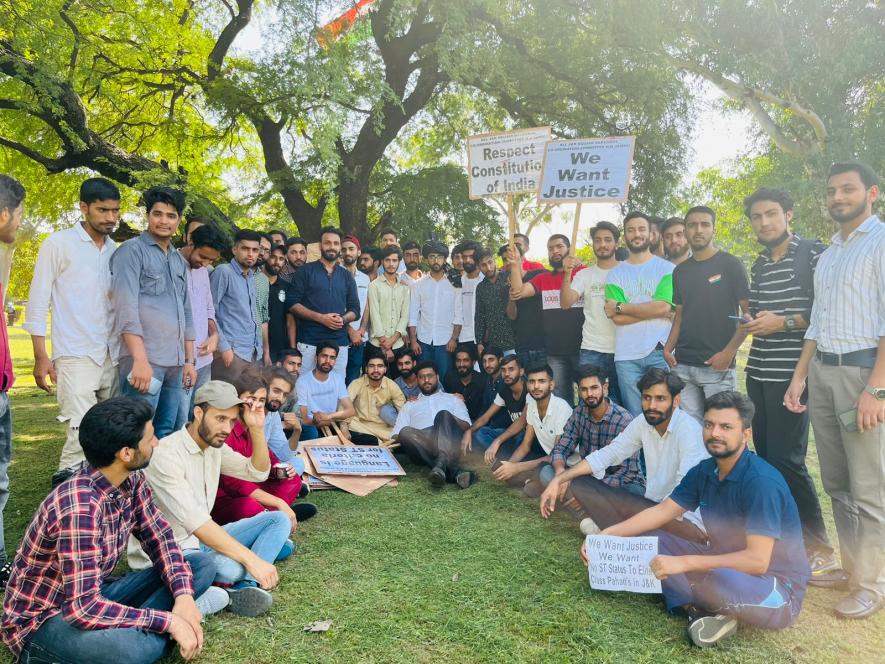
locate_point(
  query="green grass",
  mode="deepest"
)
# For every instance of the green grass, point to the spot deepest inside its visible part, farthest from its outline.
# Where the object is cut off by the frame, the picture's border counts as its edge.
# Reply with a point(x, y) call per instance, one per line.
point(413, 575)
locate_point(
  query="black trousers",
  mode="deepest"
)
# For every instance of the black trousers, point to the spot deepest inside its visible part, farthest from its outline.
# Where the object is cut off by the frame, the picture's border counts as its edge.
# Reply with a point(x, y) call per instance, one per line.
point(781, 438)
point(359, 438)
point(439, 444)
point(608, 505)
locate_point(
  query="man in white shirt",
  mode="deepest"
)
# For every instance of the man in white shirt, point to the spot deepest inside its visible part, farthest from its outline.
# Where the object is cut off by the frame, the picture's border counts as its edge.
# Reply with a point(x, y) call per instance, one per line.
point(429, 430)
point(673, 444)
point(598, 334)
point(435, 317)
point(322, 396)
point(412, 261)
point(469, 281)
point(71, 278)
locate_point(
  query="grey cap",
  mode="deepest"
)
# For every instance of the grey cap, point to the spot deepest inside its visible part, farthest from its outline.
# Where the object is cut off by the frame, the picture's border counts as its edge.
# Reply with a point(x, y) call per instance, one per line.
point(218, 394)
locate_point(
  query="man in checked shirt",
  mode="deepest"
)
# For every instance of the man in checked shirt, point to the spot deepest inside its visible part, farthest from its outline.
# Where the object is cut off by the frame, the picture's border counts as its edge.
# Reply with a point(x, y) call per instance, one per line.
point(61, 603)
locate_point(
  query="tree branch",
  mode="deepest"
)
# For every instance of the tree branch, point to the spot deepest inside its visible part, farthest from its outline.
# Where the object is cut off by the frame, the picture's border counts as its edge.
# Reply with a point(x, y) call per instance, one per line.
point(51, 165)
point(226, 39)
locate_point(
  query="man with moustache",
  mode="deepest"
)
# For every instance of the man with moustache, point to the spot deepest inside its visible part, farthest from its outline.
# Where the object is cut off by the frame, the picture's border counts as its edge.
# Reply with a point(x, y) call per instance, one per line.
point(407, 380)
point(466, 381)
point(710, 291)
point(673, 240)
point(672, 443)
point(280, 384)
point(357, 331)
point(429, 430)
point(639, 298)
point(262, 293)
point(752, 568)
point(280, 323)
point(412, 261)
point(373, 396)
point(62, 604)
point(492, 326)
point(322, 396)
point(152, 314)
point(369, 263)
point(324, 301)
point(184, 475)
point(781, 296)
point(388, 309)
point(204, 246)
point(71, 278)
point(296, 257)
point(598, 334)
point(435, 315)
point(844, 361)
point(471, 278)
point(562, 327)
point(510, 399)
point(236, 307)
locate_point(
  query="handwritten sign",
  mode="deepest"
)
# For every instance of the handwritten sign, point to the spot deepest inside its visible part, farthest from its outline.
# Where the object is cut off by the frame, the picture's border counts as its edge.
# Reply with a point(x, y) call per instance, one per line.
point(505, 163)
point(595, 170)
point(353, 460)
point(622, 563)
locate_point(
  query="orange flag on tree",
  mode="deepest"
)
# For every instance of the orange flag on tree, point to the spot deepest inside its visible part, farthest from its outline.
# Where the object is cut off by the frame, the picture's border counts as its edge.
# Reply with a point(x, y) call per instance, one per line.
point(339, 26)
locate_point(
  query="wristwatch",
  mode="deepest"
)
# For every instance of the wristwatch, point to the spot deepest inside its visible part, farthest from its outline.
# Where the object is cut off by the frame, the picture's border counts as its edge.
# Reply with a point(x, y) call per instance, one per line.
point(878, 392)
point(790, 323)
point(194, 362)
point(618, 308)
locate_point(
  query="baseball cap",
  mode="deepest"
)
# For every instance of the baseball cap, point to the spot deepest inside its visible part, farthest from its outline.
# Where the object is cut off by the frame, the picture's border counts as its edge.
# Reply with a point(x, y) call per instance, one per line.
point(218, 394)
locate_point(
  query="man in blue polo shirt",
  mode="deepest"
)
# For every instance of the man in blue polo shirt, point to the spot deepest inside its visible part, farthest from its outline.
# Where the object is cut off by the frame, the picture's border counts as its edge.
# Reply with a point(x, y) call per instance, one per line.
point(324, 300)
point(754, 569)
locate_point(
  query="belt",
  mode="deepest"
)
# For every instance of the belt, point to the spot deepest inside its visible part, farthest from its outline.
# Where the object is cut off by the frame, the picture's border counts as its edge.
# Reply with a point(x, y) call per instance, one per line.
point(865, 359)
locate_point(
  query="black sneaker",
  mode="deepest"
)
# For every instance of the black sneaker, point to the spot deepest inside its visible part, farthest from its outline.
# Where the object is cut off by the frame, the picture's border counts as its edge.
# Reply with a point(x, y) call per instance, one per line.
point(304, 491)
point(304, 511)
point(437, 477)
point(826, 573)
point(5, 573)
point(708, 631)
point(465, 478)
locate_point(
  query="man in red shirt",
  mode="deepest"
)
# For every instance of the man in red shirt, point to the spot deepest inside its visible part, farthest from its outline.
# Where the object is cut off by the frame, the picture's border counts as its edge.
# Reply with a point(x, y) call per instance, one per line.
point(522, 241)
point(62, 605)
point(12, 196)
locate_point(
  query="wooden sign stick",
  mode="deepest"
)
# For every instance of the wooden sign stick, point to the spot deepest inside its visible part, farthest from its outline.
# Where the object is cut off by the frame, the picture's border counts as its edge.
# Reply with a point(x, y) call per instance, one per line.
point(574, 247)
point(511, 221)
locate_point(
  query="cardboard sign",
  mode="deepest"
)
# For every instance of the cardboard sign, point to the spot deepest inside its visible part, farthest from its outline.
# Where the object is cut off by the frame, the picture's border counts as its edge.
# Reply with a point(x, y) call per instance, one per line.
point(505, 163)
point(622, 563)
point(362, 460)
point(595, 170)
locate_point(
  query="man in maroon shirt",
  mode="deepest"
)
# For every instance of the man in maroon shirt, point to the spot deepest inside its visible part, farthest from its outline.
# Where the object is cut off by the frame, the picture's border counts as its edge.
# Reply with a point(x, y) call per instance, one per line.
point(62, 605)
point(12, 196)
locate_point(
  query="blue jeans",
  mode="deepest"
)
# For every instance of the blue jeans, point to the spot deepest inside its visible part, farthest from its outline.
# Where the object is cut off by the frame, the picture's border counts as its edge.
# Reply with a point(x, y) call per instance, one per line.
point(309, 432)
point(761, 601)
point(606, 362)
point(565, 373)
point(388, 414)
point(531, 358)
point(169, 404)
point(204, 375)
point(354, 363)
point(58, 642)
point(700, 383)
point(483, 437)
point(441, 357)
point(263, 533)
point(546, 473)
point(629, 373)
point(5, 456)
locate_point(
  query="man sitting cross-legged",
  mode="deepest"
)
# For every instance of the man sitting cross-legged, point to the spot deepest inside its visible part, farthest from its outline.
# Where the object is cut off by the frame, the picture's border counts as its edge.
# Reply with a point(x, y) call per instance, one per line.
point(673, 444)
point(545, 417)
point(754, 569)
point(322, 396)
point(373, 395)
point(429, 430)
point(240, 499)
point(511, 394)
point(184, 477)
point(61, 603)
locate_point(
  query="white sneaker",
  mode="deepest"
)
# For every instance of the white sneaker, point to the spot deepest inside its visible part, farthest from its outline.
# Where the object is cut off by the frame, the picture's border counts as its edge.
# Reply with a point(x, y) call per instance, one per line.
point(215, 599)
point(588, 527)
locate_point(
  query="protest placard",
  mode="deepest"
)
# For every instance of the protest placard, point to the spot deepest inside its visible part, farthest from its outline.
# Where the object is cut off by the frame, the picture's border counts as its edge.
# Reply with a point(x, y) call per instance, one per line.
point(622, 563)
point(506, 162)
point(593, 170)
point(359, 460)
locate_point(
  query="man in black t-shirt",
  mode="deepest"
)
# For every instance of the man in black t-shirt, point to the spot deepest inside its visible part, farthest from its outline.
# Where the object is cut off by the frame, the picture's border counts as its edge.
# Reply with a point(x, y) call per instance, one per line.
point(467, 382)
point(524, 315)
point(710, 290)
point(279, 320)
point(511, 400)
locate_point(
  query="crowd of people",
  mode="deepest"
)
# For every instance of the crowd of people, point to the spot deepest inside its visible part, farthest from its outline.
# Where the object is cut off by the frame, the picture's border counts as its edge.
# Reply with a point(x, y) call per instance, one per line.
point(187, 389)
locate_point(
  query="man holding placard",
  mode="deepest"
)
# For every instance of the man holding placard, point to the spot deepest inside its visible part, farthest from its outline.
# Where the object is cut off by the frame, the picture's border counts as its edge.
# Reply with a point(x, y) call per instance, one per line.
point(754, 569)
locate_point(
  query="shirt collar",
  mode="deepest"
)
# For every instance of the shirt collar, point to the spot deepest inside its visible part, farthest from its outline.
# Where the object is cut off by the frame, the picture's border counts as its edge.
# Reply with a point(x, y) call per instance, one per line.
point(147, 238)
point(189, 443)
point(871, 222)
point(101, 483)
point(236, 267)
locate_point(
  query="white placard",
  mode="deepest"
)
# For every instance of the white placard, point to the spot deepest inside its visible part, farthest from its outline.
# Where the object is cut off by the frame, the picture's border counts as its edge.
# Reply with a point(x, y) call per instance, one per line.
point(506, 163)
point(594, 170)
point(622, 563)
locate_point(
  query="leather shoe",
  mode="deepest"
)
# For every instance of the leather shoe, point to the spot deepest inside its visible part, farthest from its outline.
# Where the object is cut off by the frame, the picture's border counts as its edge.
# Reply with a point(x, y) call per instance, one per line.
point(860, 604)
point(438, 476)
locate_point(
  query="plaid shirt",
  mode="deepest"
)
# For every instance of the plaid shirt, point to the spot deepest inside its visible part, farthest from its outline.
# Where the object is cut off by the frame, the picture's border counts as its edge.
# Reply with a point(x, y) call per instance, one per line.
point(581, 431)
point(73, 544)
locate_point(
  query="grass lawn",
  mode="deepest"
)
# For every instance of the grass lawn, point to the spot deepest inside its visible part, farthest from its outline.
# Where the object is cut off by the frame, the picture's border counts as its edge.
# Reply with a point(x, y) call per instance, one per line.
point(414, 575)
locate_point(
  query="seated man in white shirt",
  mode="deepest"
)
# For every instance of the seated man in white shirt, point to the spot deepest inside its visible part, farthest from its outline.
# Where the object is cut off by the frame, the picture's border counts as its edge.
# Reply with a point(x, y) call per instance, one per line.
point(673, 444)
point(430, 428)
point(322, 396)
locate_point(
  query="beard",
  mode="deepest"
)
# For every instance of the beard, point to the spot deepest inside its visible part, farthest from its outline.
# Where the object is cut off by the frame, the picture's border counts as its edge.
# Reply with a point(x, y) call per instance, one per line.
point(556, 263)
point(463, 371)
point(724, 454)
point(679, 252)
point(325, 368)
point(271, 269)
point(208, 437)
point(593, 402)
point(654, 417)
point(468, 267)
point(845, 217)
point(331, 255)
point(638, 248)
point(411, 267)
point(771, 244)
point(427, 390)
point(272, 406)
point(601, 255)
point(436, 267)
point(406, 373)
point(348, 260)
point(366, 269)
point(139, 462)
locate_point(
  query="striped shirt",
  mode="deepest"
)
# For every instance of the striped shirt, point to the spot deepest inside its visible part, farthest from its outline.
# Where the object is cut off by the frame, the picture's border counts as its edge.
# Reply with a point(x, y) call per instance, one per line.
point(71, 548)
point(775, 286)
point(849, 309)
